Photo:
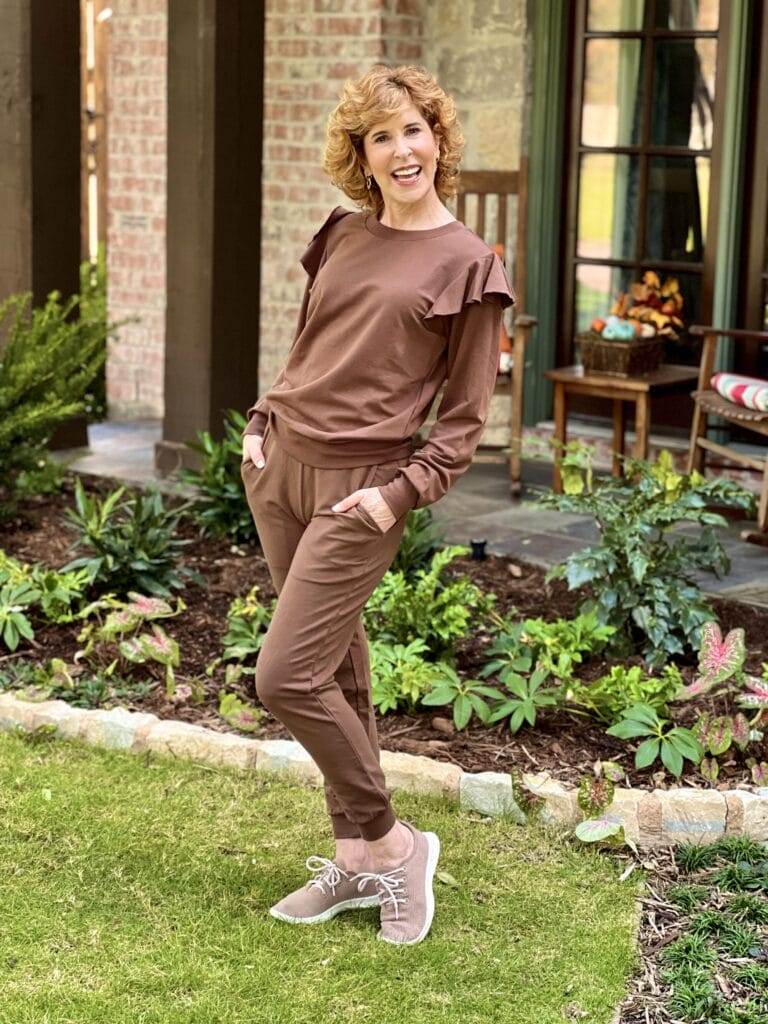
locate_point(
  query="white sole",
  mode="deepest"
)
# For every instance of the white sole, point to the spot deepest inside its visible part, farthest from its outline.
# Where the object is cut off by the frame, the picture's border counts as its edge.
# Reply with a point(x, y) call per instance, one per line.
point(358, 903)
point(434, 852)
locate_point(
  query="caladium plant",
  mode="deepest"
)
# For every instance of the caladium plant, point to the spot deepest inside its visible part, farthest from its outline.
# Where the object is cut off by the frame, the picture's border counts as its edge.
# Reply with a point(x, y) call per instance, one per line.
point(721, 661)
point(156, 646)
point(595, 796)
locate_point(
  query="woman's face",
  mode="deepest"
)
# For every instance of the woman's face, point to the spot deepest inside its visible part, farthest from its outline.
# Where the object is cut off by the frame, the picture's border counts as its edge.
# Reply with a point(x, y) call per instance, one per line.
point(405, 140)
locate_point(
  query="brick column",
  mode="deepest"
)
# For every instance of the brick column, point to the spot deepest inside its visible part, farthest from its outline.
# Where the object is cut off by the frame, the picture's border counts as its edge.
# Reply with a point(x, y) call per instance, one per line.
point(136, 168)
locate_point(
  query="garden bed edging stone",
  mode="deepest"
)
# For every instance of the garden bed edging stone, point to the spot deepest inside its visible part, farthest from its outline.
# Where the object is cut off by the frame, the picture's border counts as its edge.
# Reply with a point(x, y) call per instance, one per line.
point(662, 817)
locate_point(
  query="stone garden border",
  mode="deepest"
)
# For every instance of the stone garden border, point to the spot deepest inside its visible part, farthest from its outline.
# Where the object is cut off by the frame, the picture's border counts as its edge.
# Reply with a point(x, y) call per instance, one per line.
point(662, 817)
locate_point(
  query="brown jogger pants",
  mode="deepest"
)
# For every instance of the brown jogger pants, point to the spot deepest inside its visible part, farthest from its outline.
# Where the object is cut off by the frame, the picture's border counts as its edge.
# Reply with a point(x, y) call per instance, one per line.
point(313, 669)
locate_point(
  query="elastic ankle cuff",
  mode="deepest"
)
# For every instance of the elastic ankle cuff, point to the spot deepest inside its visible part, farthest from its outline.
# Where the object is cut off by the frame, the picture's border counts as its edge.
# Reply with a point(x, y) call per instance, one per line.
point(343, 828)
point(378, 826)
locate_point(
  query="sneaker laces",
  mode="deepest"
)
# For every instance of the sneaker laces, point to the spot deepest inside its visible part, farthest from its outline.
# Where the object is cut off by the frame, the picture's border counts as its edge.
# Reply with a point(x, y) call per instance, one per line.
point(327, 872)
point(390, 885)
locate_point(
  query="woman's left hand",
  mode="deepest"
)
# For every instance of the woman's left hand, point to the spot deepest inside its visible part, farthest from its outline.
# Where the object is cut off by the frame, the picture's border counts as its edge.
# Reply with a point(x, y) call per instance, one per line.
point(374, 504)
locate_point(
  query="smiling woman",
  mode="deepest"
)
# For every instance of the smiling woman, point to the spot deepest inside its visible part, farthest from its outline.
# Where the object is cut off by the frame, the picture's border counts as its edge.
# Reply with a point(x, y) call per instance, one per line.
point(400, 298)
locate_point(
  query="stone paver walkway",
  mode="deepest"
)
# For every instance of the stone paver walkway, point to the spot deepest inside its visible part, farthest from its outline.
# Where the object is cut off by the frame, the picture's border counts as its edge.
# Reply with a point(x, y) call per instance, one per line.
point(477, 507)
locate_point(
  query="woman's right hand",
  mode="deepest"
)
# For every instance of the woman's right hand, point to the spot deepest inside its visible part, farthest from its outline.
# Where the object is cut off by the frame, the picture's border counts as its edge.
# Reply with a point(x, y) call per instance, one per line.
point(252, 449)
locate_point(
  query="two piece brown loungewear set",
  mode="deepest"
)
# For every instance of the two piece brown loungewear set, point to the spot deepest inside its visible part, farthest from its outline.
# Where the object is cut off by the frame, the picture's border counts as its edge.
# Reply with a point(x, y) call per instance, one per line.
point(387, 316)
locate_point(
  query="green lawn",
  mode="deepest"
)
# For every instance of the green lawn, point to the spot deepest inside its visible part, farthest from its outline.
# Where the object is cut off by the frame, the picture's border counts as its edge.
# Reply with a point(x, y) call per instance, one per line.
point(135, 889)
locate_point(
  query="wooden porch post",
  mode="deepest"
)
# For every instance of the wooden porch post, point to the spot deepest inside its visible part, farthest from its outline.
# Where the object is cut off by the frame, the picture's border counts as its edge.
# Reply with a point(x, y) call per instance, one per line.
point(215, 106)
point(39, 148)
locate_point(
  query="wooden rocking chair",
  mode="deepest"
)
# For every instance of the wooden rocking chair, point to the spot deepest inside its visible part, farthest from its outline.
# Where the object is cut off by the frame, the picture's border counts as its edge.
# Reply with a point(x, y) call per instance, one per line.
point(503, 184)
point(710, 403)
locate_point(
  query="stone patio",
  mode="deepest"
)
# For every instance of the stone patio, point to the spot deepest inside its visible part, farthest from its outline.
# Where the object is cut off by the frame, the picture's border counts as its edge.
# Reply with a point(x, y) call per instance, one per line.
point(477, 507)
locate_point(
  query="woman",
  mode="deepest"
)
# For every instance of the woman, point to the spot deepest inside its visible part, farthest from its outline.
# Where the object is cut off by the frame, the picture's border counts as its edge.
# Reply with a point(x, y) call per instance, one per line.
point(400, 297)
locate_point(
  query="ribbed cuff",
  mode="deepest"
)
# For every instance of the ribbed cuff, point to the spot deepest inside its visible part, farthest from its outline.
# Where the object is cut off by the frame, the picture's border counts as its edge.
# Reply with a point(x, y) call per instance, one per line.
point(343, 828)
point(377, 827)
point(400, 495)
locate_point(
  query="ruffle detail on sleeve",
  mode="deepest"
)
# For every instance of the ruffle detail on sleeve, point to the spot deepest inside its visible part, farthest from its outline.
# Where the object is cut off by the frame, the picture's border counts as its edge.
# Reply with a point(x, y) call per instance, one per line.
point(485, 275)
point(312, 257)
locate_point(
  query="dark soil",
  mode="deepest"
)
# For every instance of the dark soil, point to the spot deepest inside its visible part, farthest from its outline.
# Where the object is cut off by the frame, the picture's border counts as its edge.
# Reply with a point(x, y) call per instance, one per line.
point(563, 743)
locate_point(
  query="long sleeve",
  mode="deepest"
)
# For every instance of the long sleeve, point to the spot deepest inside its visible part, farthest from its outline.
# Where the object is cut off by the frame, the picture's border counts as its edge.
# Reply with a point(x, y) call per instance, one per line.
point(473, 358)
point(475, 303)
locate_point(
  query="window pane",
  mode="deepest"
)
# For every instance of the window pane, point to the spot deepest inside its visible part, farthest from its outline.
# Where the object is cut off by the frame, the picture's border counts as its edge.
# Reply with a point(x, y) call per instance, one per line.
point(612, 92)
point(607, 206)
point(615, 15)
point(596, 288)
point(701, 15)
point(678, 197)
point(683, 93)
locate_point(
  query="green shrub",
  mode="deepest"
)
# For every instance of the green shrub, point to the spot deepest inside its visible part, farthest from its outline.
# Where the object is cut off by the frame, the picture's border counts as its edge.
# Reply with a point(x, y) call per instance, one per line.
point(400, 676)
point(30, 592)
point(131, 543)
point(556, 647)
point(440, 612)
point(641, 574)
point(466, 697)
point(220, 507)
point(50, 358)
point(611, 694)
point(247, 623)
point(673, 745)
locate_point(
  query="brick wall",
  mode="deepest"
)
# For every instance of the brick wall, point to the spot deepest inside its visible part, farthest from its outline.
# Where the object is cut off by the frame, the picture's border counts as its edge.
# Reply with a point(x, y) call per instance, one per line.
point(476, 49)
point(311, 48)
point(136, 219)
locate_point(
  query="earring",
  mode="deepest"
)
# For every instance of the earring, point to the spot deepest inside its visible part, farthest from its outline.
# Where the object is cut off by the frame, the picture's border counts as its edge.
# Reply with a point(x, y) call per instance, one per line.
point(368, 180)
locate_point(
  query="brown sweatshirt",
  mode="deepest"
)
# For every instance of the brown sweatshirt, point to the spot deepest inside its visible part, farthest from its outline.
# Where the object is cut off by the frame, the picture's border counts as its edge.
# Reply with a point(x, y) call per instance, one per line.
point(388, 315)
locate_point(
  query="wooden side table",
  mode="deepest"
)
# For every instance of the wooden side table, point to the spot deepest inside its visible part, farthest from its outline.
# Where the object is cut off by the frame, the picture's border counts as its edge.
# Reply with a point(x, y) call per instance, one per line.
point(573, 380)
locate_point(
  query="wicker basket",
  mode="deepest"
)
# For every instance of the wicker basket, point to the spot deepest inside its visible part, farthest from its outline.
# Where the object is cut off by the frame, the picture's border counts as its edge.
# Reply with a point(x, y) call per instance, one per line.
point(620, 358)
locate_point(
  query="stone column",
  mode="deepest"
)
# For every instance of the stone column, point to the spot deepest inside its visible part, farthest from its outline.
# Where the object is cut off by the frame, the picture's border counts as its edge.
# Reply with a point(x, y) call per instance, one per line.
point(215, 109)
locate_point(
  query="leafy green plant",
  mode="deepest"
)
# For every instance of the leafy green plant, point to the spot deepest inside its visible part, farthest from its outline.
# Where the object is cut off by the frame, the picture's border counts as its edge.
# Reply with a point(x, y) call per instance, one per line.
point(60, 593)
point(221, 508)
point(641, 574)
point(559, 646)
point(607, 697)
point(49, 360)
point(247, 623)
point(131, 543)
point(465, 695)
point(525, 697)
point(15, 601)
point(673, 745)
point(400, 676)
point(440, 611)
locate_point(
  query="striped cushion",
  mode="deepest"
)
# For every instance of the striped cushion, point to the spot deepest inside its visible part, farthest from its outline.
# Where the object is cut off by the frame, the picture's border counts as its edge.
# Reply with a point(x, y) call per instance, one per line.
point(750, 392)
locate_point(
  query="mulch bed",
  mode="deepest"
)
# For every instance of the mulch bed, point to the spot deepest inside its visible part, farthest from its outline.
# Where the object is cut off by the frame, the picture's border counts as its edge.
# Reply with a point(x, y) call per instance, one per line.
point(566, 745)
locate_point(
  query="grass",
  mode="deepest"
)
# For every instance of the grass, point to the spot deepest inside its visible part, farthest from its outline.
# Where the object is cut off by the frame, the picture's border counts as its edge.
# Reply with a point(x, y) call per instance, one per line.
point(136, 889)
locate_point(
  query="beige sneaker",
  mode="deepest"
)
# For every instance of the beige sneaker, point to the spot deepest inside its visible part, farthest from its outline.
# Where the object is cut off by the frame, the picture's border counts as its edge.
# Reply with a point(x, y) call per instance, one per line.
point(322, 897)
point(405, 892)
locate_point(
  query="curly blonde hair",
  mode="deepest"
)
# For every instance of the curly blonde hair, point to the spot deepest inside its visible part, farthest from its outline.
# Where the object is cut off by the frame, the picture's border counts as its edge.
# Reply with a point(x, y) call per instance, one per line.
point(374, 97)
